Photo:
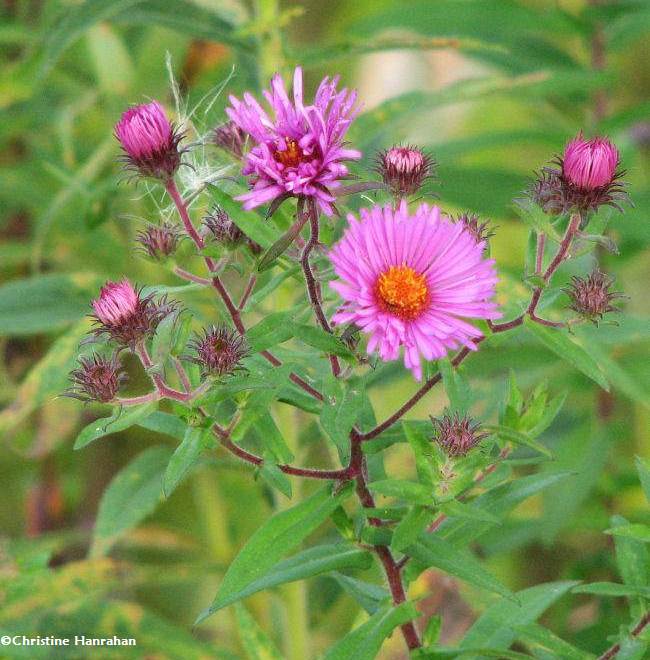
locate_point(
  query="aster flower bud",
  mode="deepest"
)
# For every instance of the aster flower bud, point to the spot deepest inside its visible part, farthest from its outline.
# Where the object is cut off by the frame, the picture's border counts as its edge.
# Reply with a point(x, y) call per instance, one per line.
point(457, 435)
point(230, 138)
point(591, 296)
point(219, 350)
point(590, 164)
point(404, 169)
point(96, 379)
point(159, 242)
point(125, 316)
point(223, 229)
point(149, 140)
point(479, 230)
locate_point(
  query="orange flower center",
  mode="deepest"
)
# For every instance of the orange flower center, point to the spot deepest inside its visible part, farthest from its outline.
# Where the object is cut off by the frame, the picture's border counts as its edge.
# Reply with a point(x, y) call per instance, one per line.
point(291, 156)
point(402, 292)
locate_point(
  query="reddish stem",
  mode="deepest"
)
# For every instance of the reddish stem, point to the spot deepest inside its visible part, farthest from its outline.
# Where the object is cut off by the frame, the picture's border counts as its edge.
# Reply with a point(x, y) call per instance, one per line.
point(313, 287)
point(172, 191)
point(638, 629)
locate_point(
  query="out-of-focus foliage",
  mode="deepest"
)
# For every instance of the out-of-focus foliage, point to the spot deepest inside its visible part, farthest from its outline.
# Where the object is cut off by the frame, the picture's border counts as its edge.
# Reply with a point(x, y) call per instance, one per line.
point(93, 545)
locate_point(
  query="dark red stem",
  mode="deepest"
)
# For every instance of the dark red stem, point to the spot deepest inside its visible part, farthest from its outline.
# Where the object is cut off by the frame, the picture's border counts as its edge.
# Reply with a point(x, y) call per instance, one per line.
point(313, 288)
point(637, 630)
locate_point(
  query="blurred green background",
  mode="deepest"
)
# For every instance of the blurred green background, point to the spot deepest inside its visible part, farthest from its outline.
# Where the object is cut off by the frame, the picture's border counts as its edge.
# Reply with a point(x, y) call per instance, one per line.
point(493, 89)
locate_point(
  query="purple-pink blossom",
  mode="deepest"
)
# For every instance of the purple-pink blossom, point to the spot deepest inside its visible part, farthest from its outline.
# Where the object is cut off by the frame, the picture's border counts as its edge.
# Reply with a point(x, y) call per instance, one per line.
point(300, 150)
point(590, 164)
point(149, 140)
point(410, 280)
point(117, 301)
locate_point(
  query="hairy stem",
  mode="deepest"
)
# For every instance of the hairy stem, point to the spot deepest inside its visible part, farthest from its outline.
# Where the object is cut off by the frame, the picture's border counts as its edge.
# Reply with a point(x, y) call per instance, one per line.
point(313, 288)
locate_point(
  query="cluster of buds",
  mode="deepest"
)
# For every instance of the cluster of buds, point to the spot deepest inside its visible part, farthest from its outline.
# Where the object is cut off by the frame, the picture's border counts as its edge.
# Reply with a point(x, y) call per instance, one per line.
point(404, 169)
point(125, 315)
point(230, 138)
point(225, 232)
point(159, 242)
point(96, 379)
point(219, 351)
point(479, 230)
point(149, 141)
point(587, 176)
point(457, 435)
point(591, 297)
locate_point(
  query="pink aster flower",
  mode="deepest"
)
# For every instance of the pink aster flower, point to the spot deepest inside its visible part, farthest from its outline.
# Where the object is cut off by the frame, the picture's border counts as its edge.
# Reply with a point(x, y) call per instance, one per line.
point(590, 164)
point(300, 152)
point(411, 280)
point(149, 140)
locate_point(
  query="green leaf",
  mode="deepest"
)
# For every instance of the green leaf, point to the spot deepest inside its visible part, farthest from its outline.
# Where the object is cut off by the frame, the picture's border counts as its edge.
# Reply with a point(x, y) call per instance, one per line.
point(121, 419)
point(494, 628)
point(633, 561)
point(264, 292)
point(403, 490)
point(165, 423)
point(410, 527)
point(323, 341)
point(275, 478)
point(364, 642)
point(643, 468)
point(338, 418)
point(431, 550)
point(432, 631)
point(456, 388)
point(559, 343)
point(518, 437)
point(370, 596)
point(280, 246)
point(422, 450)
point(185, 457)
point(45, 303)
point(498, 501)
point(131, 496)
point(274, 539)
point(635, 531)
point(306, 564)
point(162, 341)
point(612, 589)
point(551, 411)
point(111, 60)
point(257, 645)
point(538, 637)
point(456, 509)
point(272, 330)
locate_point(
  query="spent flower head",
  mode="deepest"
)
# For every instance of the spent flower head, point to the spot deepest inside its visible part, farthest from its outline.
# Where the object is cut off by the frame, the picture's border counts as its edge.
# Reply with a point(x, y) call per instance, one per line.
point(149, 141)
point(481, 231)
point(404, 169)
point(222, 229)
point(456, 434)
point(300, 150)
point(127, 317)
point(410, 280)
point(230, 138)
point(591, 296)
point(97, 378)
point(219, 350)
point(159, 242)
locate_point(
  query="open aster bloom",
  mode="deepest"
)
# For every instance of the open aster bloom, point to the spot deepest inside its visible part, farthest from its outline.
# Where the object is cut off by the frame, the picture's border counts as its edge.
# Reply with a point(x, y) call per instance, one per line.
point(409, 280)
point(300, 152)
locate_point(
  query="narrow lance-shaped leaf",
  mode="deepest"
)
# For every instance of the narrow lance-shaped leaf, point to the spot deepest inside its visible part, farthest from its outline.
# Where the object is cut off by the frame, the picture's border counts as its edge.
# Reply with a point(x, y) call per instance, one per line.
point(559, 343)
point(133, 494)
point(120, 420)
point(431, 550)
point(274, 539)
point(364, 642)
point(257, 644)
point(185, 457)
